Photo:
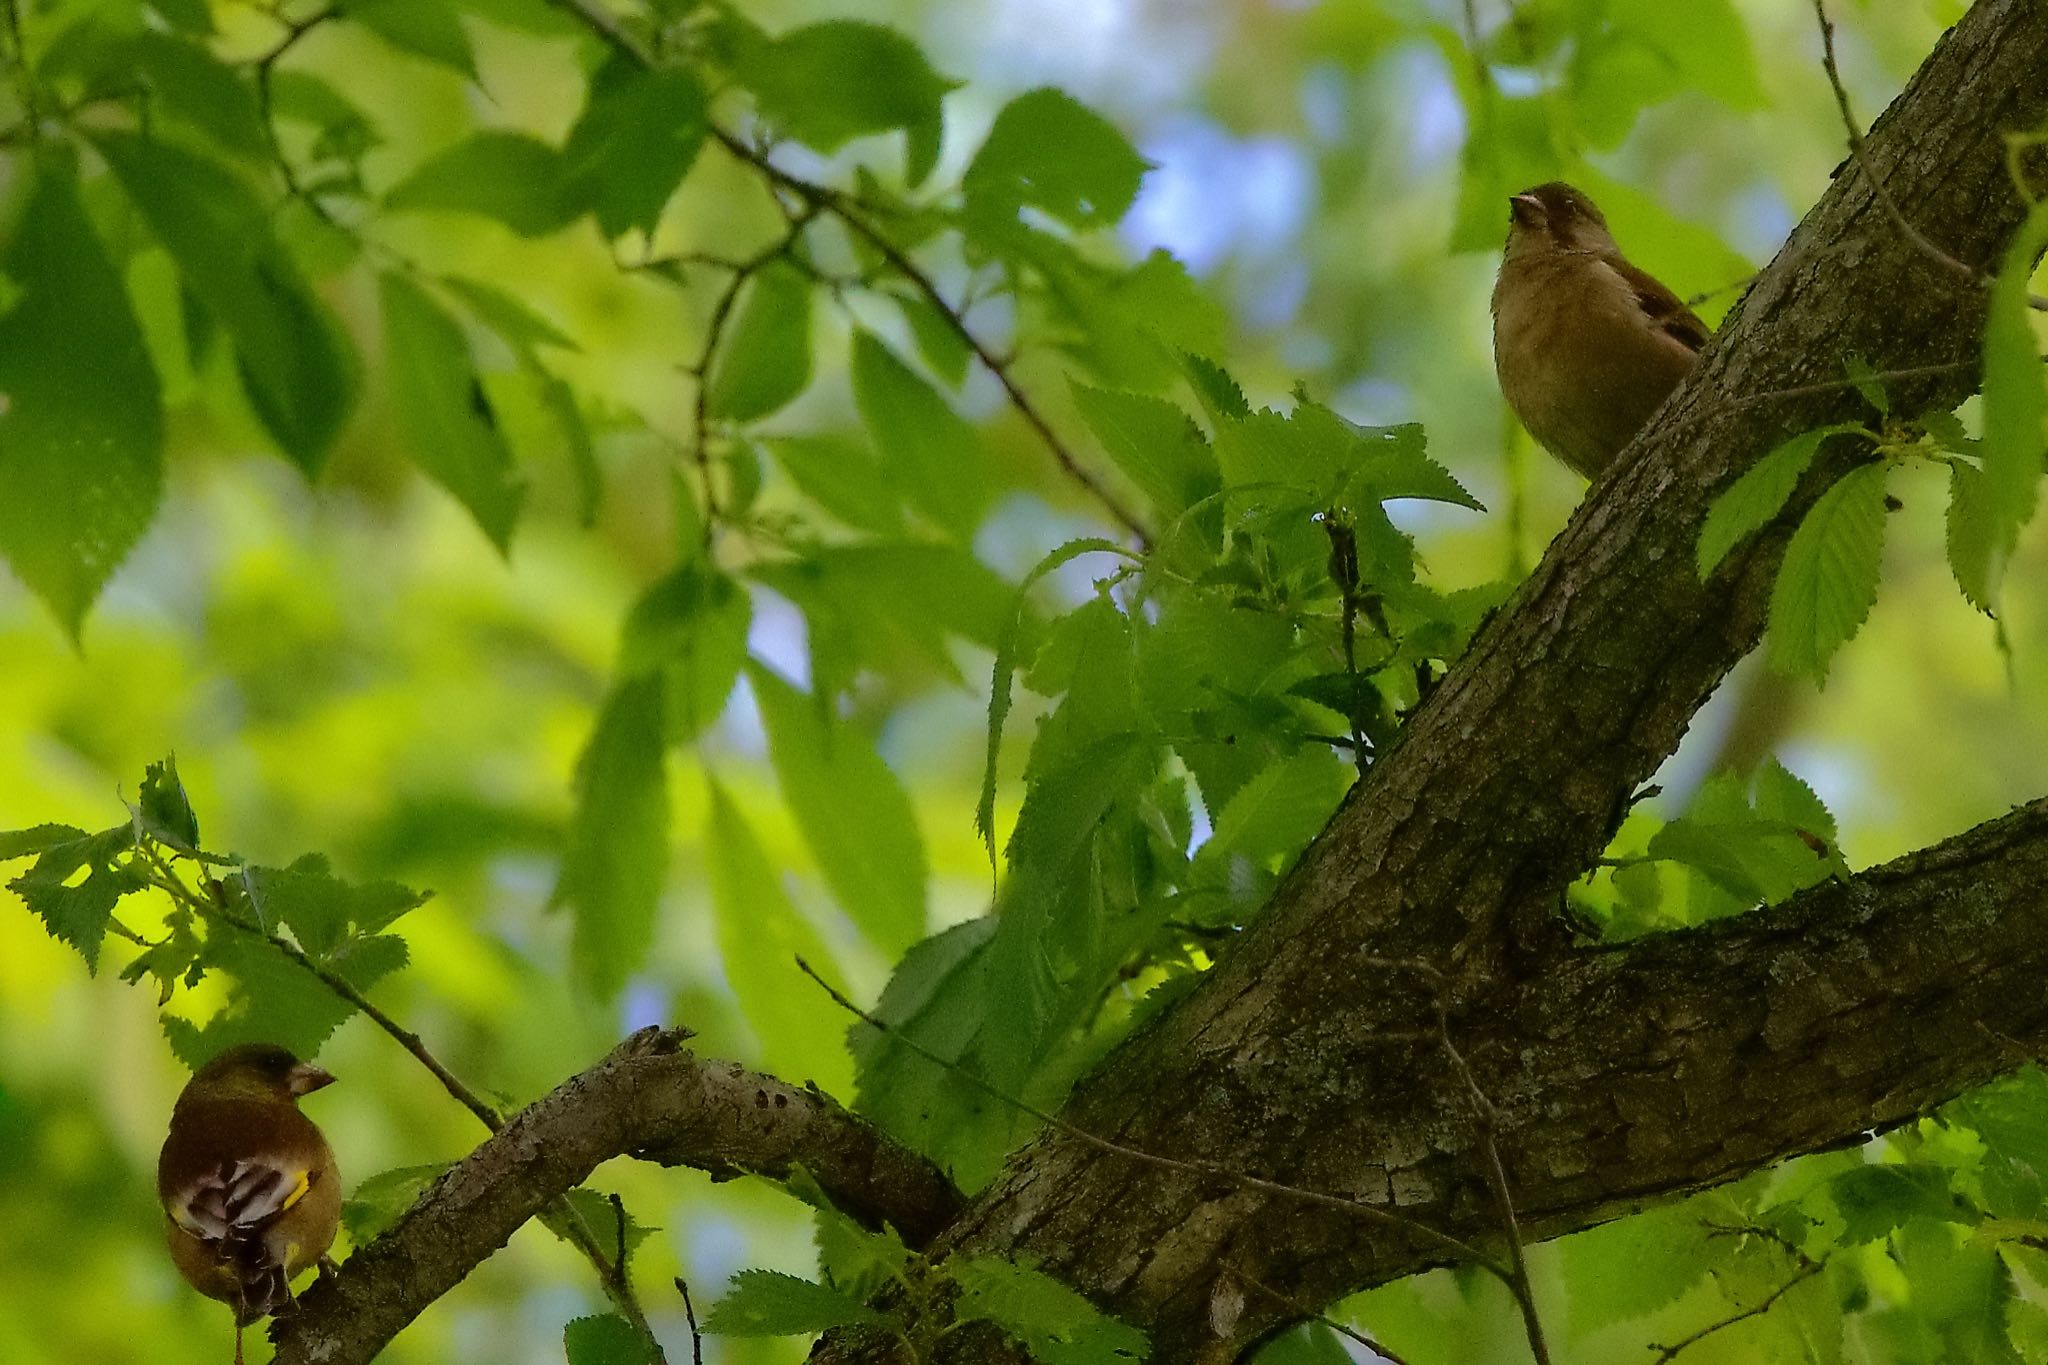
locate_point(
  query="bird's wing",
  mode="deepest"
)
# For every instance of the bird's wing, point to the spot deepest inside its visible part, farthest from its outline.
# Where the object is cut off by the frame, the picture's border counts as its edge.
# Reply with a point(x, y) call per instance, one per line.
point(1664, 309)
point(237, 1199)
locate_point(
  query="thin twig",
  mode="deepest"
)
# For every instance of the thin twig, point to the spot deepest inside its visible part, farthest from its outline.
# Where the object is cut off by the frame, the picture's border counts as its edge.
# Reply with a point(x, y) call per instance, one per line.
point(294, 31)
point(690, 1316)
point(1837, 385)
point(1310, 1315)
point(1919, 240)
point(1213, 1169)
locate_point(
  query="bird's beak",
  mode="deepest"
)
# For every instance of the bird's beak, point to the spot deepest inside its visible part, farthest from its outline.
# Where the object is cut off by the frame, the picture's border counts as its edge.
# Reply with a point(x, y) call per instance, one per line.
point(305, 1078)
point(1526, 209)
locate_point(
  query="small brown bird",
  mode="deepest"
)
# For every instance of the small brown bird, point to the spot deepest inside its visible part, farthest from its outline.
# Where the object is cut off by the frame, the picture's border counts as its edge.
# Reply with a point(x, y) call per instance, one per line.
point(1586, 345)
point(249, 1187)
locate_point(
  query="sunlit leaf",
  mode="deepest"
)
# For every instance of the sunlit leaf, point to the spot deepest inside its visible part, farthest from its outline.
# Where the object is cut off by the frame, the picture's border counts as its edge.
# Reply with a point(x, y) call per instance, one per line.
point(768, 1303)
point(765, 360)
point(296, 365)
point(453, 431)
point(2015, 397)
point(425, 28)
point(81, 429)
point(852, 809)
point(1758, 495)
point(1051, 152)
point(510, 177)
point(616, 855)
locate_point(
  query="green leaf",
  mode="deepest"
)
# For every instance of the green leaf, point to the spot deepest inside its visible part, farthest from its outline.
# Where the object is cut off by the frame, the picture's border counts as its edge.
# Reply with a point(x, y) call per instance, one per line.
point(691, 626)
point(378, 1201)
point(768, 1303)
point(852, 809)
point(927, 449)
point(2015, 396)
point(81, 432)
point(605, 1340)
point(765, 360)
point(20, 843)
point(193, 85)
point(1828, 581)
point(1758, 495)
point(1875, 1200)
point(760, 936)
point(322, 911)
point(514, 321)
point(938, 339)
point(1972, 535)
point(1154, 443)
point(510, 177)
point(1051, 152)
point(187, 16)
point(616, 855)
point(638, 134)
point(1213, 384)
point(842, 476)
point(826, 84)
point(1635, 1265)
point(1008, 645)
point(1060, 1326)
point(1270, 819)
point(166, 810)
point(295, 363)
point(448, 419)
point(425, 28)
point(76, 910)
point(600, 1215)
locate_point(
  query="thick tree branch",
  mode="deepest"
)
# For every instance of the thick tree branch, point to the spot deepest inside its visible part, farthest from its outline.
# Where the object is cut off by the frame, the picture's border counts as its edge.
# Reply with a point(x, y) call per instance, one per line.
point(1457, 848)
point(650, 1098)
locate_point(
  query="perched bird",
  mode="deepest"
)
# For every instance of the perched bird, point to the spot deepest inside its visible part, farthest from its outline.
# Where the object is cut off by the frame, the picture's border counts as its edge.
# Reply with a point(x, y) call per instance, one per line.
point(250, 1192)
point(1586, 345)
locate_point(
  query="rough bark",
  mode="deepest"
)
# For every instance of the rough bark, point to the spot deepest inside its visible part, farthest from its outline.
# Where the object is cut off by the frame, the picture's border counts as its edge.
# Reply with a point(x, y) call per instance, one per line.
point(649, 1098)
point(1457, 848)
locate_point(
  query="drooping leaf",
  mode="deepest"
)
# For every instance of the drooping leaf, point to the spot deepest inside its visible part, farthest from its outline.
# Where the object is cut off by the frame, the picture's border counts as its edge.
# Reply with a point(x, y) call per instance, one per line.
point(761, 933)
point(615, 858)
point(635, 140)
point(929, 450)
point(765, 360)
point(768, 1303)
point(1051, 152)
point(295, 363)
point(690, 628)
point(1758, 495)
point(1972, 535)
point(842, 476)
point(81, 434)
point(453, 431)
point(2015, 396)
point(853, 811)
point(198, 88)
point(509, 177)
point(1828, 581)
point(828, 83)
point(512, 318)
point(426, 28)
point(938, 338)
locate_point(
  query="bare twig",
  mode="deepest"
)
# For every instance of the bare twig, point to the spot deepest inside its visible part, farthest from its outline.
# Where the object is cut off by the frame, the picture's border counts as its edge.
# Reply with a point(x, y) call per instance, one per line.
point(1213, 1169)
point(1918, 239)
point(690, 1316)
point(294, 31)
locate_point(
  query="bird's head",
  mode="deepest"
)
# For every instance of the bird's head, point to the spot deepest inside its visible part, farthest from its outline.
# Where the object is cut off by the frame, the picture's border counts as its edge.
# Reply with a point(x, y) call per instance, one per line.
point(256, 1070)
point(1555, 217)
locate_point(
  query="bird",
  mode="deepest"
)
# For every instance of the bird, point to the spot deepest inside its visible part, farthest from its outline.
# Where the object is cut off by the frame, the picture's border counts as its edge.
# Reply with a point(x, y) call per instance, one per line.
point(1586, 345)
point(250, 1191)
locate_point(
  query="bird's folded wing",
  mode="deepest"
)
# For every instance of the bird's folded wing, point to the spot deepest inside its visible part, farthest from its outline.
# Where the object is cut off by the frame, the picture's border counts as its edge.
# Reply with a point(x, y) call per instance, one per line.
point(236, 1199)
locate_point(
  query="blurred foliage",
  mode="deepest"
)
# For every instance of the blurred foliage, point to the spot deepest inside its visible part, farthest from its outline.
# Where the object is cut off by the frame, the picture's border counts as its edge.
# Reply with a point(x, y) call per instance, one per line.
point(687, 410)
